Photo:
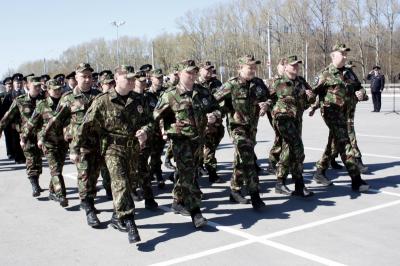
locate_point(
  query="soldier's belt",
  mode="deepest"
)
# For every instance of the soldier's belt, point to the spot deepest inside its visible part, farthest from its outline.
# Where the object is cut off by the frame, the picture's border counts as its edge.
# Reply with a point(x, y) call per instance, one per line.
point(122, 141)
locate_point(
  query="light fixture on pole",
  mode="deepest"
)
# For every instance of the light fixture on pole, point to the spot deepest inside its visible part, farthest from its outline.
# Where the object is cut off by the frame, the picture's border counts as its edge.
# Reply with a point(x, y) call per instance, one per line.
point(118, 24)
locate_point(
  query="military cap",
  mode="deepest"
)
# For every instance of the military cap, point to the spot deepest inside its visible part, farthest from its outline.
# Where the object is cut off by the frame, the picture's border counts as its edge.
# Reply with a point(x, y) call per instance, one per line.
point(146, 67)
point(207, 65)
point(187, 65)
point(157, 73)
point(44, 77)
point(106, 77)
point(54, 84)
point(34, 80)
point(141, 75)
point(292, 60)
point(7, 80)
point(26, 77)
point(59, 77)
point(248, 60)
point(126, 69)
point(17, 77)
point(376, 67)
point(71, 75)
point(82, 67)
point(340, 47)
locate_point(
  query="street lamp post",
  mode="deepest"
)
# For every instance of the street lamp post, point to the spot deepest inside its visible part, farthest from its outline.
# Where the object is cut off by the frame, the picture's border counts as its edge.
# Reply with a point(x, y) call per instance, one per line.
point(118, 24)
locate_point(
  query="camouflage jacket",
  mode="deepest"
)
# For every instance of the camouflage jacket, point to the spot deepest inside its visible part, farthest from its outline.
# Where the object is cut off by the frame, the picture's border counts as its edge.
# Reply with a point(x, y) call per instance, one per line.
point(187, 109)
point(289, 97)
point(336, 87)
point(20, 111)
point(45, 110)
point(212, 85)
point(112, 121)
point(70, 113)
point(240, 102)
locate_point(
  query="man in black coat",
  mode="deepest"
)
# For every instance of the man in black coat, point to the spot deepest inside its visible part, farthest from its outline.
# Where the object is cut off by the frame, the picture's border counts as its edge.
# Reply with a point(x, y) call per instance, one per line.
point(377, 85)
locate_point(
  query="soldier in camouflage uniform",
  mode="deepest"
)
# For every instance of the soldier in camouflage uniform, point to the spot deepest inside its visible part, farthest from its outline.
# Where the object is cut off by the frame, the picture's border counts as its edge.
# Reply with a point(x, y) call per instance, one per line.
point(244, 99)
point(56, 147)
point(193, 108)
point(20, 112)
point(214, 132)
point(335, 85)
point(157, 141)
point(70, 112)
point(121, 118)
point(291, 96)
point(143, 175)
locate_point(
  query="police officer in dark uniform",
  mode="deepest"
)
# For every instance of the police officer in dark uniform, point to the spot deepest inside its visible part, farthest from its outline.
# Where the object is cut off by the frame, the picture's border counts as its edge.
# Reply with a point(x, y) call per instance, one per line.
point(377, 85)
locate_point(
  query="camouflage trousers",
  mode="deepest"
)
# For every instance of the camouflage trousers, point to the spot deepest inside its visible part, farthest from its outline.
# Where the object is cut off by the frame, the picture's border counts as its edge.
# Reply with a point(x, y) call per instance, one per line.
point(352, 136)
point(56, 158)
point(336, 121)
point(143, 178)
point(157, 148)
point(122, 163)
point(276, 149)
point(186, 154)
point(211, 142)
point(33, 157)
point(168, 153)
point(291, 157)
point(88, 167)
point(105, 175)
point(244, 171)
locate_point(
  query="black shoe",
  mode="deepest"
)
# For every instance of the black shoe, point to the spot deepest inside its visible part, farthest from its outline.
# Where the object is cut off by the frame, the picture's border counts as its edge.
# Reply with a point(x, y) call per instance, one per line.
point(91, 216)
point(35, 186)
point(109, 193)
point(302, 191)
point(133, 233)
point(335, 165)
point(60, 199)
point(160, 180)
point(150, 204)
point(258, 168)
point(91, 202)
point(168, 164)
point(320, 178)
point(271, 169)
point(179, 208)
point(118, 223)
point(281, 188)
point(363, 169)
point(197, 218)
point(256, 201)
point(137, 196)
point(212, 175)
point(237, 197)
point(359, 185)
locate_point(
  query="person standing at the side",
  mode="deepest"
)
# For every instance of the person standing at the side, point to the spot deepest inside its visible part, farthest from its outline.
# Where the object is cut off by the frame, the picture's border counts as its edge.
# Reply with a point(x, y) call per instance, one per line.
point(377, 85)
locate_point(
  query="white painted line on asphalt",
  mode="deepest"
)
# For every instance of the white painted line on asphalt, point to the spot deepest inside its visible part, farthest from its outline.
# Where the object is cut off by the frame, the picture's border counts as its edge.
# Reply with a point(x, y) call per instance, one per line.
point(377, 136)
point(329, 220)
point(364, 154)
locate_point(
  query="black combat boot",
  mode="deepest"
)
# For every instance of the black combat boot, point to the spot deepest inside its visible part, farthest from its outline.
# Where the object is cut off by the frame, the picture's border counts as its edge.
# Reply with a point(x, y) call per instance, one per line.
point(359, 185)
point(91, 216)
point(212, 175)
point(301, 190)
point(108, 193)
point(118, 223)
point(363, 168)
point(137, 195)
point(160, 179)
point(256, 201)
point(320, 178)
point(59, 198)
point(281, 188)
point(197, 218)
point(133, 233)
point(237, 197)
point(150, 204)
point(35, 186)
point(178, 207)
point(335, 165)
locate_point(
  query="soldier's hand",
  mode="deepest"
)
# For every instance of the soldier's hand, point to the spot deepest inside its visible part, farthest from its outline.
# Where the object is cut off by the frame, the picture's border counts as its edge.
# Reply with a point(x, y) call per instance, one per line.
point(141, 136)
point(22, 144)
point(359, 95)
point(263, 108)
point(74, 157)
point(211, 119)
point(310, 94)
point(40, 144)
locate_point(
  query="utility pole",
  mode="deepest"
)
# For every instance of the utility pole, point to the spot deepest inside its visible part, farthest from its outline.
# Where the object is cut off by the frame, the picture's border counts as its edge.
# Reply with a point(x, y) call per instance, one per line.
point(117, 25)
